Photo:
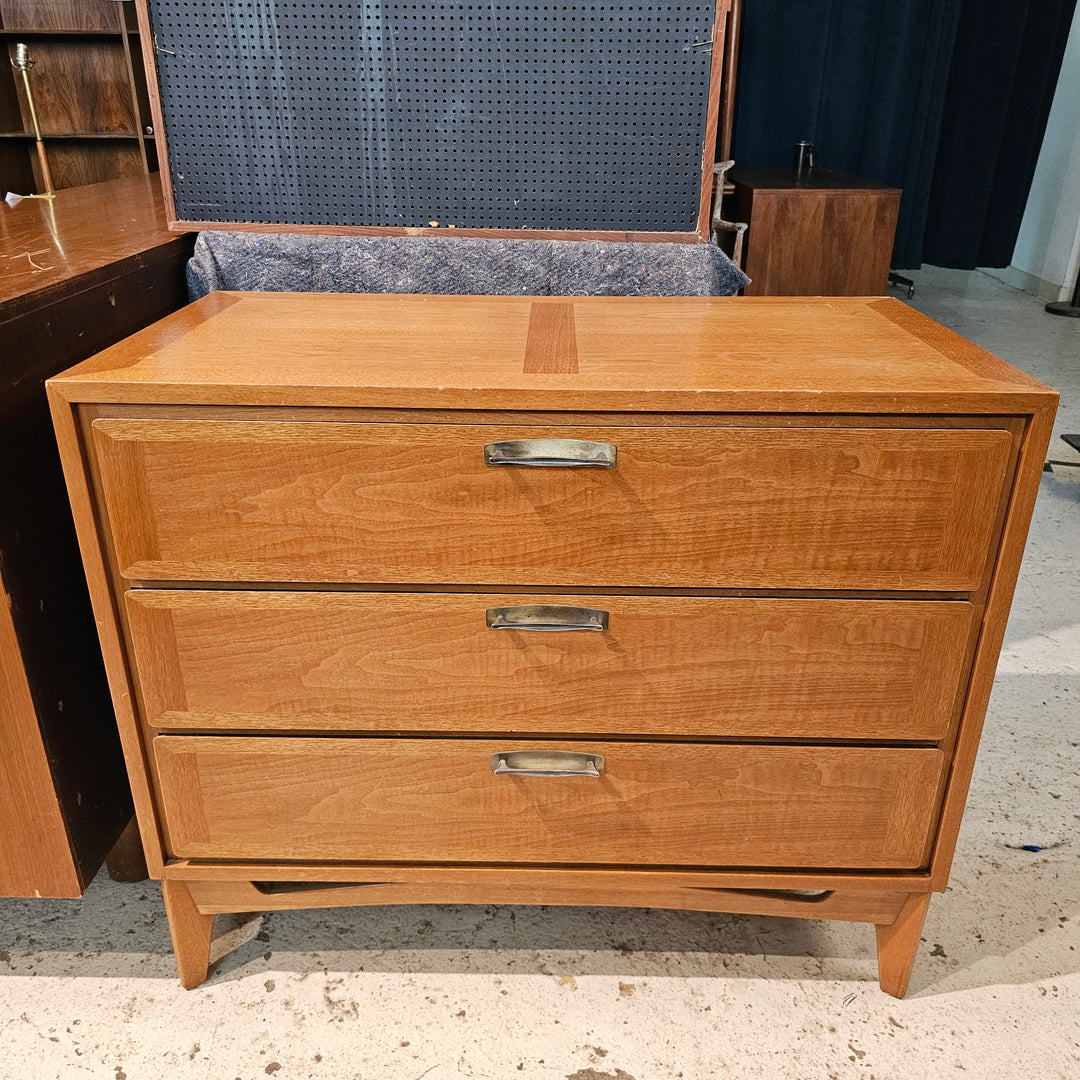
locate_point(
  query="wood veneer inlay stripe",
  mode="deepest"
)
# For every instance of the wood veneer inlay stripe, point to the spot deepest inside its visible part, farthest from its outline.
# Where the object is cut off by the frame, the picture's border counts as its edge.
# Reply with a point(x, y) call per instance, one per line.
point(551, 346)
point(947, 342)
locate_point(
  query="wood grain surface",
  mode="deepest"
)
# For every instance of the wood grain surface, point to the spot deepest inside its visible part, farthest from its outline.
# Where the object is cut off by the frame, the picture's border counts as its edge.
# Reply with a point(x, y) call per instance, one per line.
point(338, 734)
point(720, 73)
point(897, 942)
point(768, 668)
point(35, 855)
point(77, 274)
point(765, 508)
point(820, 243)
point(465, 887)
point(190, 930)
point(824, 234)
point(92, 234)
point(1010, 552)
point(59, 14)
point(551, 346)
point(79, 86)
point(437, 800)
point(99, 580)
point(747, 881)
point(635, 354)
point(78, 162)
point(89, 91)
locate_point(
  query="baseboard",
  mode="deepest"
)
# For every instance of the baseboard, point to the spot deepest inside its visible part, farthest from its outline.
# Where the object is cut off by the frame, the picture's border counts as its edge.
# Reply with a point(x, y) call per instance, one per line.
point(1029, 283)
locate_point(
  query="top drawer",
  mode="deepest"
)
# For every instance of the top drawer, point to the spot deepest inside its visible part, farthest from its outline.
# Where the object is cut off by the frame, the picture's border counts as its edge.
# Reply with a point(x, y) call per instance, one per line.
point(752, 507)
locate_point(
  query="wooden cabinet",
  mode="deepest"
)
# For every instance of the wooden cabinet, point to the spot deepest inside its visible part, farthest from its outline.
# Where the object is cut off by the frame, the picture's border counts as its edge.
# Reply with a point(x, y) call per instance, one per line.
point(89, 88)
point(822, 234)
point(395, 613)
point(82, 271)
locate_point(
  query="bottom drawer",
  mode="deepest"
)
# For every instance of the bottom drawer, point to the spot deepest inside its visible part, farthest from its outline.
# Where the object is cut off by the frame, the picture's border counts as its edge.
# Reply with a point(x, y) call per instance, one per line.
point(437, 800)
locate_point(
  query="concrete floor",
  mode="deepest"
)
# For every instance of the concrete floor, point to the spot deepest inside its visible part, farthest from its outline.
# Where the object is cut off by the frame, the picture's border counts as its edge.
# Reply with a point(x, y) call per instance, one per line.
point(88, 988)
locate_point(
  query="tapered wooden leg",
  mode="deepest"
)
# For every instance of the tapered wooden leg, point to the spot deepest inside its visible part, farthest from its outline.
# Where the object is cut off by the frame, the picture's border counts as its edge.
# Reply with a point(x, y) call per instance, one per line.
point(897, 944)
point(190, 931)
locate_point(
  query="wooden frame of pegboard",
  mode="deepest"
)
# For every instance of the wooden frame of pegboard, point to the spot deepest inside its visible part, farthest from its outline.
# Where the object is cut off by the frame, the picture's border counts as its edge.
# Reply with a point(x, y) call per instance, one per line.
point(180, 206)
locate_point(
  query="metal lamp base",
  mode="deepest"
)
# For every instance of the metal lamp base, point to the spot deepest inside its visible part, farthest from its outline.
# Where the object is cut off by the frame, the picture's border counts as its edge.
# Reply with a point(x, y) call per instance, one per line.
point(1064, 307)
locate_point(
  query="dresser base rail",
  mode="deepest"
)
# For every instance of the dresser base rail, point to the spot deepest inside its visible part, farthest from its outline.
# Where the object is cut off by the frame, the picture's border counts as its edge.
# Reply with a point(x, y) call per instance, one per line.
point(195, 894)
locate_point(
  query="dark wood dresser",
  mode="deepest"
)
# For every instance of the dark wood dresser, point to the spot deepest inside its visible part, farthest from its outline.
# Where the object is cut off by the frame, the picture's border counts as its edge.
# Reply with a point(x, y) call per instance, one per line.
point(77, 273)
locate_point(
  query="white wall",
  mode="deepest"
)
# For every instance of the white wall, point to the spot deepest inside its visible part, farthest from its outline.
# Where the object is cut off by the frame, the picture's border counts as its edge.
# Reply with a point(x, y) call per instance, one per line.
point(1047, 252)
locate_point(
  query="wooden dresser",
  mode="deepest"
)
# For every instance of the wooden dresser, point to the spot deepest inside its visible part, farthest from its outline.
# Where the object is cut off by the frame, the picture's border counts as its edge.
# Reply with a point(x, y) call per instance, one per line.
point(687, 603)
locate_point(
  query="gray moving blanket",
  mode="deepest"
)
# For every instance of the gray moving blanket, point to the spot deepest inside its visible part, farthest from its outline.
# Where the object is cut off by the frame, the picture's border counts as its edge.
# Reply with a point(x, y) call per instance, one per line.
point(290, 262)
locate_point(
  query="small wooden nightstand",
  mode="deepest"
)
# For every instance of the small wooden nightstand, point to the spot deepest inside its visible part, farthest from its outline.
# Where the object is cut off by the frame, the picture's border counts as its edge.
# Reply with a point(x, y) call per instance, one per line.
point(825, 234)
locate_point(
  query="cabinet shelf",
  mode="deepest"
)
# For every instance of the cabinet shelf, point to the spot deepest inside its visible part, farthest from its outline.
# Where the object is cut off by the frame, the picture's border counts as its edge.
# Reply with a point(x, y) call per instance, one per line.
point(46, 136)
point(17, 33)
point(89, 89)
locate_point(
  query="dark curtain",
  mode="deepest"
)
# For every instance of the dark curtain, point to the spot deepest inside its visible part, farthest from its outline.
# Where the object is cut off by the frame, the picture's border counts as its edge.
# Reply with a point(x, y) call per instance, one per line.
point(947, 99)
point(1001, 85)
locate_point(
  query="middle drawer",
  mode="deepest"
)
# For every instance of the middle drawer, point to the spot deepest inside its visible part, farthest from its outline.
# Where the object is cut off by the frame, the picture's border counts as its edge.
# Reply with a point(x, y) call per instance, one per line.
point(661, 665)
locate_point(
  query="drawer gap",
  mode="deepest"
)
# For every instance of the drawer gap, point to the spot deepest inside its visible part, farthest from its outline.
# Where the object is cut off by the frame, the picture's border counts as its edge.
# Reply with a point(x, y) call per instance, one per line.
point(801, 896)
point(611, 738)
point(917, 873)
point(546, 737)
point(435, 588)
point(279, 888)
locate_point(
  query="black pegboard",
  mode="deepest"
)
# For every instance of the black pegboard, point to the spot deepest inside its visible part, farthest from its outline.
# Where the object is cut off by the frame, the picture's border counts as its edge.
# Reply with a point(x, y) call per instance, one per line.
point(584, 116)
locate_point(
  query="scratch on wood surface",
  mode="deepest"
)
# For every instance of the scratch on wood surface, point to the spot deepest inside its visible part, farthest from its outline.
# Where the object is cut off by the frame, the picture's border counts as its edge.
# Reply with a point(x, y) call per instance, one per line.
point(29, 256)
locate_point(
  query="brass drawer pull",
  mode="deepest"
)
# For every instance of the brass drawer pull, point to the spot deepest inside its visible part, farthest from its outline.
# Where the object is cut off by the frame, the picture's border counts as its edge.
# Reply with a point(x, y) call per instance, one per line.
point(546, 617)
point(546, 763)
point(551, 453)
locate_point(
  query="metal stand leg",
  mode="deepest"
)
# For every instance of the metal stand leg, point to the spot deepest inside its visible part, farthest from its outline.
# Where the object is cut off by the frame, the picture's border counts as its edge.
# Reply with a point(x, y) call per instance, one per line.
point(1068, 307)
point(905, 282)
point(1074, 442)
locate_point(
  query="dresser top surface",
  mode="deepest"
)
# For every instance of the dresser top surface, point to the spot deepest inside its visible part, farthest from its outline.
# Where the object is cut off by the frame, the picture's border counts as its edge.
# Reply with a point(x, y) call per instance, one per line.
point(800, 354)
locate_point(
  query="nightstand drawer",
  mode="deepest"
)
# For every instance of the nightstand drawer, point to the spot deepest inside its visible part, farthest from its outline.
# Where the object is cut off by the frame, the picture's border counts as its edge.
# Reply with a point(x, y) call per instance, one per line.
point(438, 800)
point(741, 507)
point(661, 665)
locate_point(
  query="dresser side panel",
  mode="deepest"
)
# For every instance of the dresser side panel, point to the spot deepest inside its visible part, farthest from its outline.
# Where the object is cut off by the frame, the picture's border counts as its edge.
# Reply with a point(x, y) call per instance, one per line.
point(1003, 584)
point(35, 856)
point(77, 475)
